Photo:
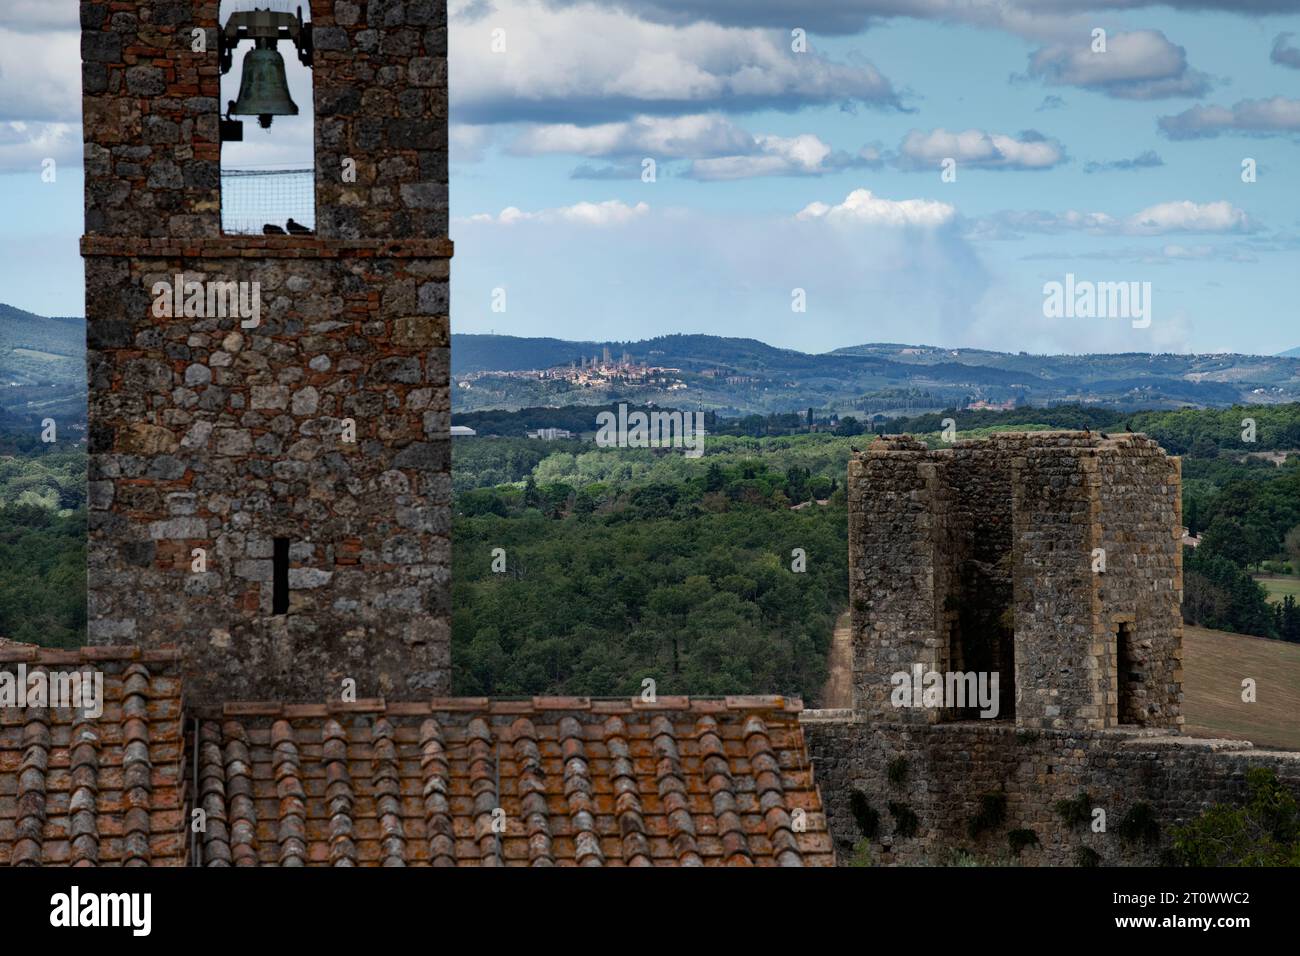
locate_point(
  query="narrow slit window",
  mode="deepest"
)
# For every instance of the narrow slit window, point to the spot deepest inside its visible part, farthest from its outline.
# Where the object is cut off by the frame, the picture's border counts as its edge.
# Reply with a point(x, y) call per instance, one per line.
point(280, 577)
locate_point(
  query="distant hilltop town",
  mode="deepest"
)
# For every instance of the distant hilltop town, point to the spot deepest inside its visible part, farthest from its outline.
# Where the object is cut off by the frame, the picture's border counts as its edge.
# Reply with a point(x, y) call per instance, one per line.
point(596, 371)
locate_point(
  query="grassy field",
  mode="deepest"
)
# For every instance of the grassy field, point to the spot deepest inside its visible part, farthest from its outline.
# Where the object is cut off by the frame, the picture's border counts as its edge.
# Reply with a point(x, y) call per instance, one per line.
point(1278, 586)
point(1214, 665)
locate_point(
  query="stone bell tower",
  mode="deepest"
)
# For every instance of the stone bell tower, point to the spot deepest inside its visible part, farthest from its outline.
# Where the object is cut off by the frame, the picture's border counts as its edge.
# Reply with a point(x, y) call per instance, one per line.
point(269, 414)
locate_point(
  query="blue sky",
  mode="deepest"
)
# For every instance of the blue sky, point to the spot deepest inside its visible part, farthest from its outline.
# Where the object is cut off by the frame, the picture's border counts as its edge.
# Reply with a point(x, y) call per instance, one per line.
point(817, 170)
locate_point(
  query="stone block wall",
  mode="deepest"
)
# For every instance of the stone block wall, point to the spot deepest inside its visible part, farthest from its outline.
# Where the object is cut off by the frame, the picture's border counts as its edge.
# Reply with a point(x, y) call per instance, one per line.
point(1058, 614)
point(212, 435)
point(1141, 588)
point(984, 557)
point(950, 769)
point(895, 551)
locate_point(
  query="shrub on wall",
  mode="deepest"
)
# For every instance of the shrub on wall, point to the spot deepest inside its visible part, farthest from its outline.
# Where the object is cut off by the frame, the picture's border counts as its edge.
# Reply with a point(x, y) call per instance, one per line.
point(905, 821)
point(993, 810)
point(1140, 824)
point(1077, 811)
point(1019, 839)
point(1086, 856)
point(1263, 832)
point(897, 770)
point(867, 818)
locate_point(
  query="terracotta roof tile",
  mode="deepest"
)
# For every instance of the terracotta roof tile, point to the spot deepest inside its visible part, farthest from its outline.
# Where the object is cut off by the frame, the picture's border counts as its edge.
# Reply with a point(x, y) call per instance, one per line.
point(537, 783)
point(544, 781)
point(94, 791)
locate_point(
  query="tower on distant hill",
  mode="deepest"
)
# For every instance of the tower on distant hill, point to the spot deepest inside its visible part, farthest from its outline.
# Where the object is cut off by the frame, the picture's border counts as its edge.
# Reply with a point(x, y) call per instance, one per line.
point(269, 414)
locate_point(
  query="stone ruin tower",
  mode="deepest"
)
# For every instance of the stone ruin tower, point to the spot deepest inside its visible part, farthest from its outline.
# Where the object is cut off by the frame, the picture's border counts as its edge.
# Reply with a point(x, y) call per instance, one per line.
point(1052, 558)
point(273, 499)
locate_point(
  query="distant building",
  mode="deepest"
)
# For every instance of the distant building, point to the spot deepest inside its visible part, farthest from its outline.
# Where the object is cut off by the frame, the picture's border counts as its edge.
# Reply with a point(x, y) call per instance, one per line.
point(551, 434)
point(462, 430)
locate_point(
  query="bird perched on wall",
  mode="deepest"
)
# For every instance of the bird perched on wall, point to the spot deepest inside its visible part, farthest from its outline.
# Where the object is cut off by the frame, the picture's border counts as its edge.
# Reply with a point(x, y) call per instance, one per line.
point(1104, 435)
point(271, 229)
point(1087, 431)
point(1128, 427)
point(297, 228)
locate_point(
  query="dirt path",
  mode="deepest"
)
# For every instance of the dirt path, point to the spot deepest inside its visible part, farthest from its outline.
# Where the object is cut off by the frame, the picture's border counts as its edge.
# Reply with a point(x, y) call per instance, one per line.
point(838, 690)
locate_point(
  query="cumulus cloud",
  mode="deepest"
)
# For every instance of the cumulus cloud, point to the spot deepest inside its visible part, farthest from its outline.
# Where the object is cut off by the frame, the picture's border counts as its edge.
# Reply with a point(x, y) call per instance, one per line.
point(862, 207)
point(1140, 65)
point(466, 143)
point(584, 63)
point(1145, 160)
point(1284, 54)
point(1180, 216)
point(804, 155)
point(1028, 18)
point(611, 212)
point(973, 147)
point(40, 78)
point(1187, 216)
point(1271, 117)
point(40, 15)
point(25, 146)
point(662, 137)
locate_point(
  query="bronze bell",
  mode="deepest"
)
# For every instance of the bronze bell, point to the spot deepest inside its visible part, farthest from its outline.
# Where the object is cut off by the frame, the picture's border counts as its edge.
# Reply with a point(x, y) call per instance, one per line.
point(263, 89)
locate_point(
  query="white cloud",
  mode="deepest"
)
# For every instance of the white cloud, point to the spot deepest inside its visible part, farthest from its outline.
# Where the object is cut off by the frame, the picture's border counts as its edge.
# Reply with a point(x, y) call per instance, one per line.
point(1141, 65)
point(467, 144)
point(587, 63)
point(1187, 216)
point(973, 147)
point(804, 155)
point(667, 137)
point(861, 207)
point(25, 146)
point(40, 76)
point(611, 212)
point(1182, 216)
point(40, 15)
point(1271, 117)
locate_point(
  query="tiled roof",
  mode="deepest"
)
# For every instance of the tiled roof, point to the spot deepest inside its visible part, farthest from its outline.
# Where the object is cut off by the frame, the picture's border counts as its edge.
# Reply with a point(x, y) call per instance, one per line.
point(447, 782)
point(94, 791)
point(479, 782)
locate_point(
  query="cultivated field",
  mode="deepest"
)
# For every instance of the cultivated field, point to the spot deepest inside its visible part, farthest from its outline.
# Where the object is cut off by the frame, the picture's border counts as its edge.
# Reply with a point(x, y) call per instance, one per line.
point(1214, 665)
point(1280, 585)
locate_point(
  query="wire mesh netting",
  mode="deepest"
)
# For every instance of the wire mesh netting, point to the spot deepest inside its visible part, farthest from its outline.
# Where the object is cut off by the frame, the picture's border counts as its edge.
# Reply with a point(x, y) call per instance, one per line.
point(252, 199)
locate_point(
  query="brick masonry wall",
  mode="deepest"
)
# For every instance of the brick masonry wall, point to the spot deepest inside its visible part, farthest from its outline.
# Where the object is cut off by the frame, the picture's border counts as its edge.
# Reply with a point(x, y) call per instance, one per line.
point(950, 767)
point(208, 435)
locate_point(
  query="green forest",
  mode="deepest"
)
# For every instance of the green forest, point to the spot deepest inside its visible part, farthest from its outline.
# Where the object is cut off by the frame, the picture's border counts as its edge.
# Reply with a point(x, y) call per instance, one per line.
point(625, 564)
point(722, 574)
point(42, 541)
point(603, 568)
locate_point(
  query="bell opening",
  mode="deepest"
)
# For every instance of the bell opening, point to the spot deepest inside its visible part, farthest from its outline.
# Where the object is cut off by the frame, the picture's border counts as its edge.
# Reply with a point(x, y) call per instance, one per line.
point(268, 179)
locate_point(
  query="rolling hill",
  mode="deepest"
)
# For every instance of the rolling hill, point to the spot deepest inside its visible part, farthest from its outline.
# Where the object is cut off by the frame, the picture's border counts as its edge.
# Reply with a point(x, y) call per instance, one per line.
point(42, 366)
point(742, 376)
